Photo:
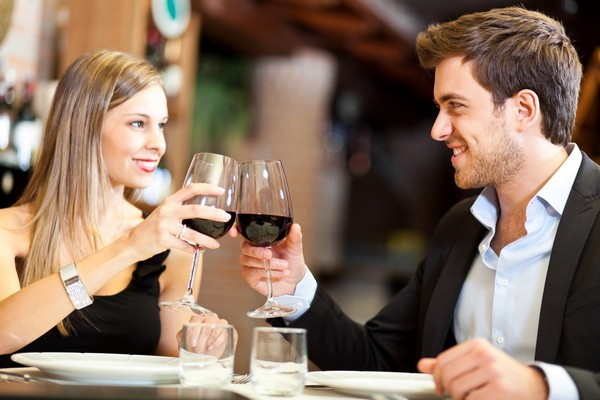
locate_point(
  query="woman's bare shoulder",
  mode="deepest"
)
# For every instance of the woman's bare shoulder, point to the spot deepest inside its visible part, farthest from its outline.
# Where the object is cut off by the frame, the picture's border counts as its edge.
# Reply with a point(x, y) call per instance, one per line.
point(15, 217)
point(15, 231)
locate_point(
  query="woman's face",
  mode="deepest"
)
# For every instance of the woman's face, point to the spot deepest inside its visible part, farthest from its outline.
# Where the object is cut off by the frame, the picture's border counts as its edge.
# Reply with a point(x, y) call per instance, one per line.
point(133, 140)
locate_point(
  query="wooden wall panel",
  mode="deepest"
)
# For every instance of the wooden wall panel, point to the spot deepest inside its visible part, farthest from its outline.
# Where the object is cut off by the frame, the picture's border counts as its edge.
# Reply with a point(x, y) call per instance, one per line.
point(111, 24)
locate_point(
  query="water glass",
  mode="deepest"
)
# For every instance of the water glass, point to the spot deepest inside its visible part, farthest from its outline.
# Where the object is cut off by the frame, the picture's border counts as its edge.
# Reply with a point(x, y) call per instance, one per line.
point(206, 354)
point(278, 361)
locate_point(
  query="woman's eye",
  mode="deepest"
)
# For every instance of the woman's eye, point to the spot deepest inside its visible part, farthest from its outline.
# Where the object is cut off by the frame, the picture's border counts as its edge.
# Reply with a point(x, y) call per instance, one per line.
point(138, 124)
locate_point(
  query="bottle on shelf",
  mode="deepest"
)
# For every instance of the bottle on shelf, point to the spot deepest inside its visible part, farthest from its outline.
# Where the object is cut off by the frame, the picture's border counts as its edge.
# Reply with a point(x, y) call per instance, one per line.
point(27, 131)
point(7, 107)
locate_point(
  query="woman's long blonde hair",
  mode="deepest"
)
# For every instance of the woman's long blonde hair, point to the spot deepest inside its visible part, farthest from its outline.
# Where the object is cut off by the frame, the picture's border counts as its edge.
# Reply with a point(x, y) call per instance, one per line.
point(70, 186)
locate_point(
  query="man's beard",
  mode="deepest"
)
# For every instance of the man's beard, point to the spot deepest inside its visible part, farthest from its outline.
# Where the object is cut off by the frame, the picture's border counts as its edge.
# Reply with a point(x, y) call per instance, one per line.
point(496, 162)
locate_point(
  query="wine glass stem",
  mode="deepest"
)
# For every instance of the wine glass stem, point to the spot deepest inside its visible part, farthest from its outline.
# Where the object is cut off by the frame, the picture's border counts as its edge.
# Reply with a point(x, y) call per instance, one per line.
point(189, 293)
point(267, 265)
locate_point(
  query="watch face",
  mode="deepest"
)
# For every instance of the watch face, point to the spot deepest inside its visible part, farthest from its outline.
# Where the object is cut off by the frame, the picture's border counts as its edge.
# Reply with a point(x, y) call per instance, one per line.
point(171, 17)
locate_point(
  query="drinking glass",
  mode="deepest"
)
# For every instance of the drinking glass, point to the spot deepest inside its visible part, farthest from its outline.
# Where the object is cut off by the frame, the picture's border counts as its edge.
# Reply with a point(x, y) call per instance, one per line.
point(278, 361)
point(206, 354)
point(218, 170)
point(264, 218)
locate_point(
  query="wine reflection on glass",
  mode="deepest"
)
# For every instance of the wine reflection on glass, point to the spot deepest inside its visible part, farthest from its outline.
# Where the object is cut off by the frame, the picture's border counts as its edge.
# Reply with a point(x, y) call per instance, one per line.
point(218, 170)
point(264, 218)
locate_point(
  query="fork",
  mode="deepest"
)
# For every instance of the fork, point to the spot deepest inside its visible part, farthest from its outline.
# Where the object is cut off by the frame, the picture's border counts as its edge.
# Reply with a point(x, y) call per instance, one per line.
point(388, 396)
point(18, 377)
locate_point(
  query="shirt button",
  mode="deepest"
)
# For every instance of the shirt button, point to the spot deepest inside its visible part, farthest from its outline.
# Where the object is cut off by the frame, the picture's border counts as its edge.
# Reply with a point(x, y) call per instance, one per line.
point(500, 340)
point(504, 282)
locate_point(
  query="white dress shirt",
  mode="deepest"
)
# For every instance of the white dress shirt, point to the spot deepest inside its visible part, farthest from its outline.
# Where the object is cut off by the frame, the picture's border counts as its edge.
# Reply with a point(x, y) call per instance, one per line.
point(501, 297)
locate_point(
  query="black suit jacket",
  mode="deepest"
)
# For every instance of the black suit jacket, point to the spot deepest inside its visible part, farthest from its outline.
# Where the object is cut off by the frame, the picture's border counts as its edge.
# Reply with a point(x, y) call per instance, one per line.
point(418, 321)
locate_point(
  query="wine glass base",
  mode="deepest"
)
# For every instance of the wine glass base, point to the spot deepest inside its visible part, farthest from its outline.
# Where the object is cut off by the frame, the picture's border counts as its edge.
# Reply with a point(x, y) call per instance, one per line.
point(271, 311)
point(186, 307)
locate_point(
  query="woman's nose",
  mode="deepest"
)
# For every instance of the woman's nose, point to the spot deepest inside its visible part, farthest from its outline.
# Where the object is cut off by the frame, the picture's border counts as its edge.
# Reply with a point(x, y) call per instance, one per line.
point(157, 141)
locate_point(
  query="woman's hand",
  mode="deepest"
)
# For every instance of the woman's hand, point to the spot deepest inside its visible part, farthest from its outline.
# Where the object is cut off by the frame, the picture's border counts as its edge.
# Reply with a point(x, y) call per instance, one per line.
point(287, 263)
point(163, 228)
point(212, 339)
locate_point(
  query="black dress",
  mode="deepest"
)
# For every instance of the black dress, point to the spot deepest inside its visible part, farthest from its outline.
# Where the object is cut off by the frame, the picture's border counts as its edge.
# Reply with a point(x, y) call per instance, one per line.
point(127, 322)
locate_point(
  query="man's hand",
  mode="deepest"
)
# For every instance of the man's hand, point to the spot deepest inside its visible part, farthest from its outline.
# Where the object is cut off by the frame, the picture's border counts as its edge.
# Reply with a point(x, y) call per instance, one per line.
point(477, 370)
point(287, 263)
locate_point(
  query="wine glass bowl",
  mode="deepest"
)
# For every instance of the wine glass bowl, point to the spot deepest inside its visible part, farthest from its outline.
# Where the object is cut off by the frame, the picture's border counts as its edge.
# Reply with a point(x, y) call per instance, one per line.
point(264, 230)
point(264, 218)
point(218, 170)
point(214, 229)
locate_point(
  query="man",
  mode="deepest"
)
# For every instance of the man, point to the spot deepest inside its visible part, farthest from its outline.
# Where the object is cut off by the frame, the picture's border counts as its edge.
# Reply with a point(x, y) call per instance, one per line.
point(506, 303)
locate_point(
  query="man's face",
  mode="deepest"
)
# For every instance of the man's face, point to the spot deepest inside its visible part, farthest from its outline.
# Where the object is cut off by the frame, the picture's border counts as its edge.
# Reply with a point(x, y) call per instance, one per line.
point(485, 150)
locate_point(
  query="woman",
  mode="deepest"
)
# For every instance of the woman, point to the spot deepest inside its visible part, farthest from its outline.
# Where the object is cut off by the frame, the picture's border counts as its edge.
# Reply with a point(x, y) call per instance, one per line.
point(75, 239)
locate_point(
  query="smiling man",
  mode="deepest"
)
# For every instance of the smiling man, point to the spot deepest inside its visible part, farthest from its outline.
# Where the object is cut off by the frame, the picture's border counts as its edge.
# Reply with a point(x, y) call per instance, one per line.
point(497, 308)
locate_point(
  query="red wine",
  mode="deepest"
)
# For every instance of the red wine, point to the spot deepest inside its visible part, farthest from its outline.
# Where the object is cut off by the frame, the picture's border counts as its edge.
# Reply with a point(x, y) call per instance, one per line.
point(214, 229)
point(262, 229)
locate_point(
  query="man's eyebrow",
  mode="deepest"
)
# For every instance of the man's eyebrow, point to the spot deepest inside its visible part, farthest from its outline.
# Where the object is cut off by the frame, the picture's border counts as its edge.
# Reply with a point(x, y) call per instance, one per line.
point(450, 96)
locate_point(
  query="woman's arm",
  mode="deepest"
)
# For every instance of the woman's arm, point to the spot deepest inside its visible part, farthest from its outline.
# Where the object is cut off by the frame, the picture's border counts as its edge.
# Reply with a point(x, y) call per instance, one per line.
point(27, 313)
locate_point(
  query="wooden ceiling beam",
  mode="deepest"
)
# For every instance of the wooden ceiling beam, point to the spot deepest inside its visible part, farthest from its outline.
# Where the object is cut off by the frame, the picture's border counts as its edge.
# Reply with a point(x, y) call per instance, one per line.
point(310, 4)
point(247, 27)
point(344, 27)
point(379, 51)
point(396, 21)
point(334, 23)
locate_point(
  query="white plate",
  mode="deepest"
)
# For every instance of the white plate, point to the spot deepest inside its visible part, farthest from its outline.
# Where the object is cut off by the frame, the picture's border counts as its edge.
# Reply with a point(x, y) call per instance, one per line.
point(102, 368)
point(413, 386)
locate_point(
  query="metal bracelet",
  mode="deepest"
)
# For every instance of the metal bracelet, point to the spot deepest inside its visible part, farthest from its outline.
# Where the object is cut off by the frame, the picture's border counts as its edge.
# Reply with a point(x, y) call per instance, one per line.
point(74, 287)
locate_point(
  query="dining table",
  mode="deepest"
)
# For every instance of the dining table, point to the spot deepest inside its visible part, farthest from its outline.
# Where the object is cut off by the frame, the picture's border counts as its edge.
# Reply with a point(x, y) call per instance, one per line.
point(33, 384)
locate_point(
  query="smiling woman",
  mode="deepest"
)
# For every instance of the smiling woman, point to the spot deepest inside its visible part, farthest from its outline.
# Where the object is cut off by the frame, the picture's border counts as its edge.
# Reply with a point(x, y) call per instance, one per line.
point(75, 241)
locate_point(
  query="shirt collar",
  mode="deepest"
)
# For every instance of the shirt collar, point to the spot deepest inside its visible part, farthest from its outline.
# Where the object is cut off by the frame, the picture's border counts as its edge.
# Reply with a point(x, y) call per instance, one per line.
point(555, 192)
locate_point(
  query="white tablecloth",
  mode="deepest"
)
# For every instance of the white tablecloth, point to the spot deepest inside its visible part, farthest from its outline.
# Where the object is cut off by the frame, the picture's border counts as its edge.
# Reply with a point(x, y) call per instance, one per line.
point(311, 391)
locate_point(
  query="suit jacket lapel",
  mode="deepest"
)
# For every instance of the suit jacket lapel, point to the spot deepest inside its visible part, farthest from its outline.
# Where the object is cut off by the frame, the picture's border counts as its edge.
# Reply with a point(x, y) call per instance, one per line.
point(576, 222)
point(440, 314)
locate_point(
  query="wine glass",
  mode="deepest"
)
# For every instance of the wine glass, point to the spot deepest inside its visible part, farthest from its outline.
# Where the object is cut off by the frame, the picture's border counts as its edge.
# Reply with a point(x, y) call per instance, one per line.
point(264, 218)
point(218, 170)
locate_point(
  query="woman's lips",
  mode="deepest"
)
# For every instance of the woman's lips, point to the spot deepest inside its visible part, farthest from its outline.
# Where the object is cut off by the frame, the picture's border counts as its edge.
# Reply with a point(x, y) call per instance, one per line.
point(146, 165)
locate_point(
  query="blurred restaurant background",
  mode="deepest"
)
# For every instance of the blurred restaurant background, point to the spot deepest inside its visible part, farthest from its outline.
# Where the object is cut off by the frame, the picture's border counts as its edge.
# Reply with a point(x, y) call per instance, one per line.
point(331, 87)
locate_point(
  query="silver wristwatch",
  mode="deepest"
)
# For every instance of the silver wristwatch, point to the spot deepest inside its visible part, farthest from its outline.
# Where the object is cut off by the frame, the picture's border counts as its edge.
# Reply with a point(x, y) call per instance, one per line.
point(75, 289)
